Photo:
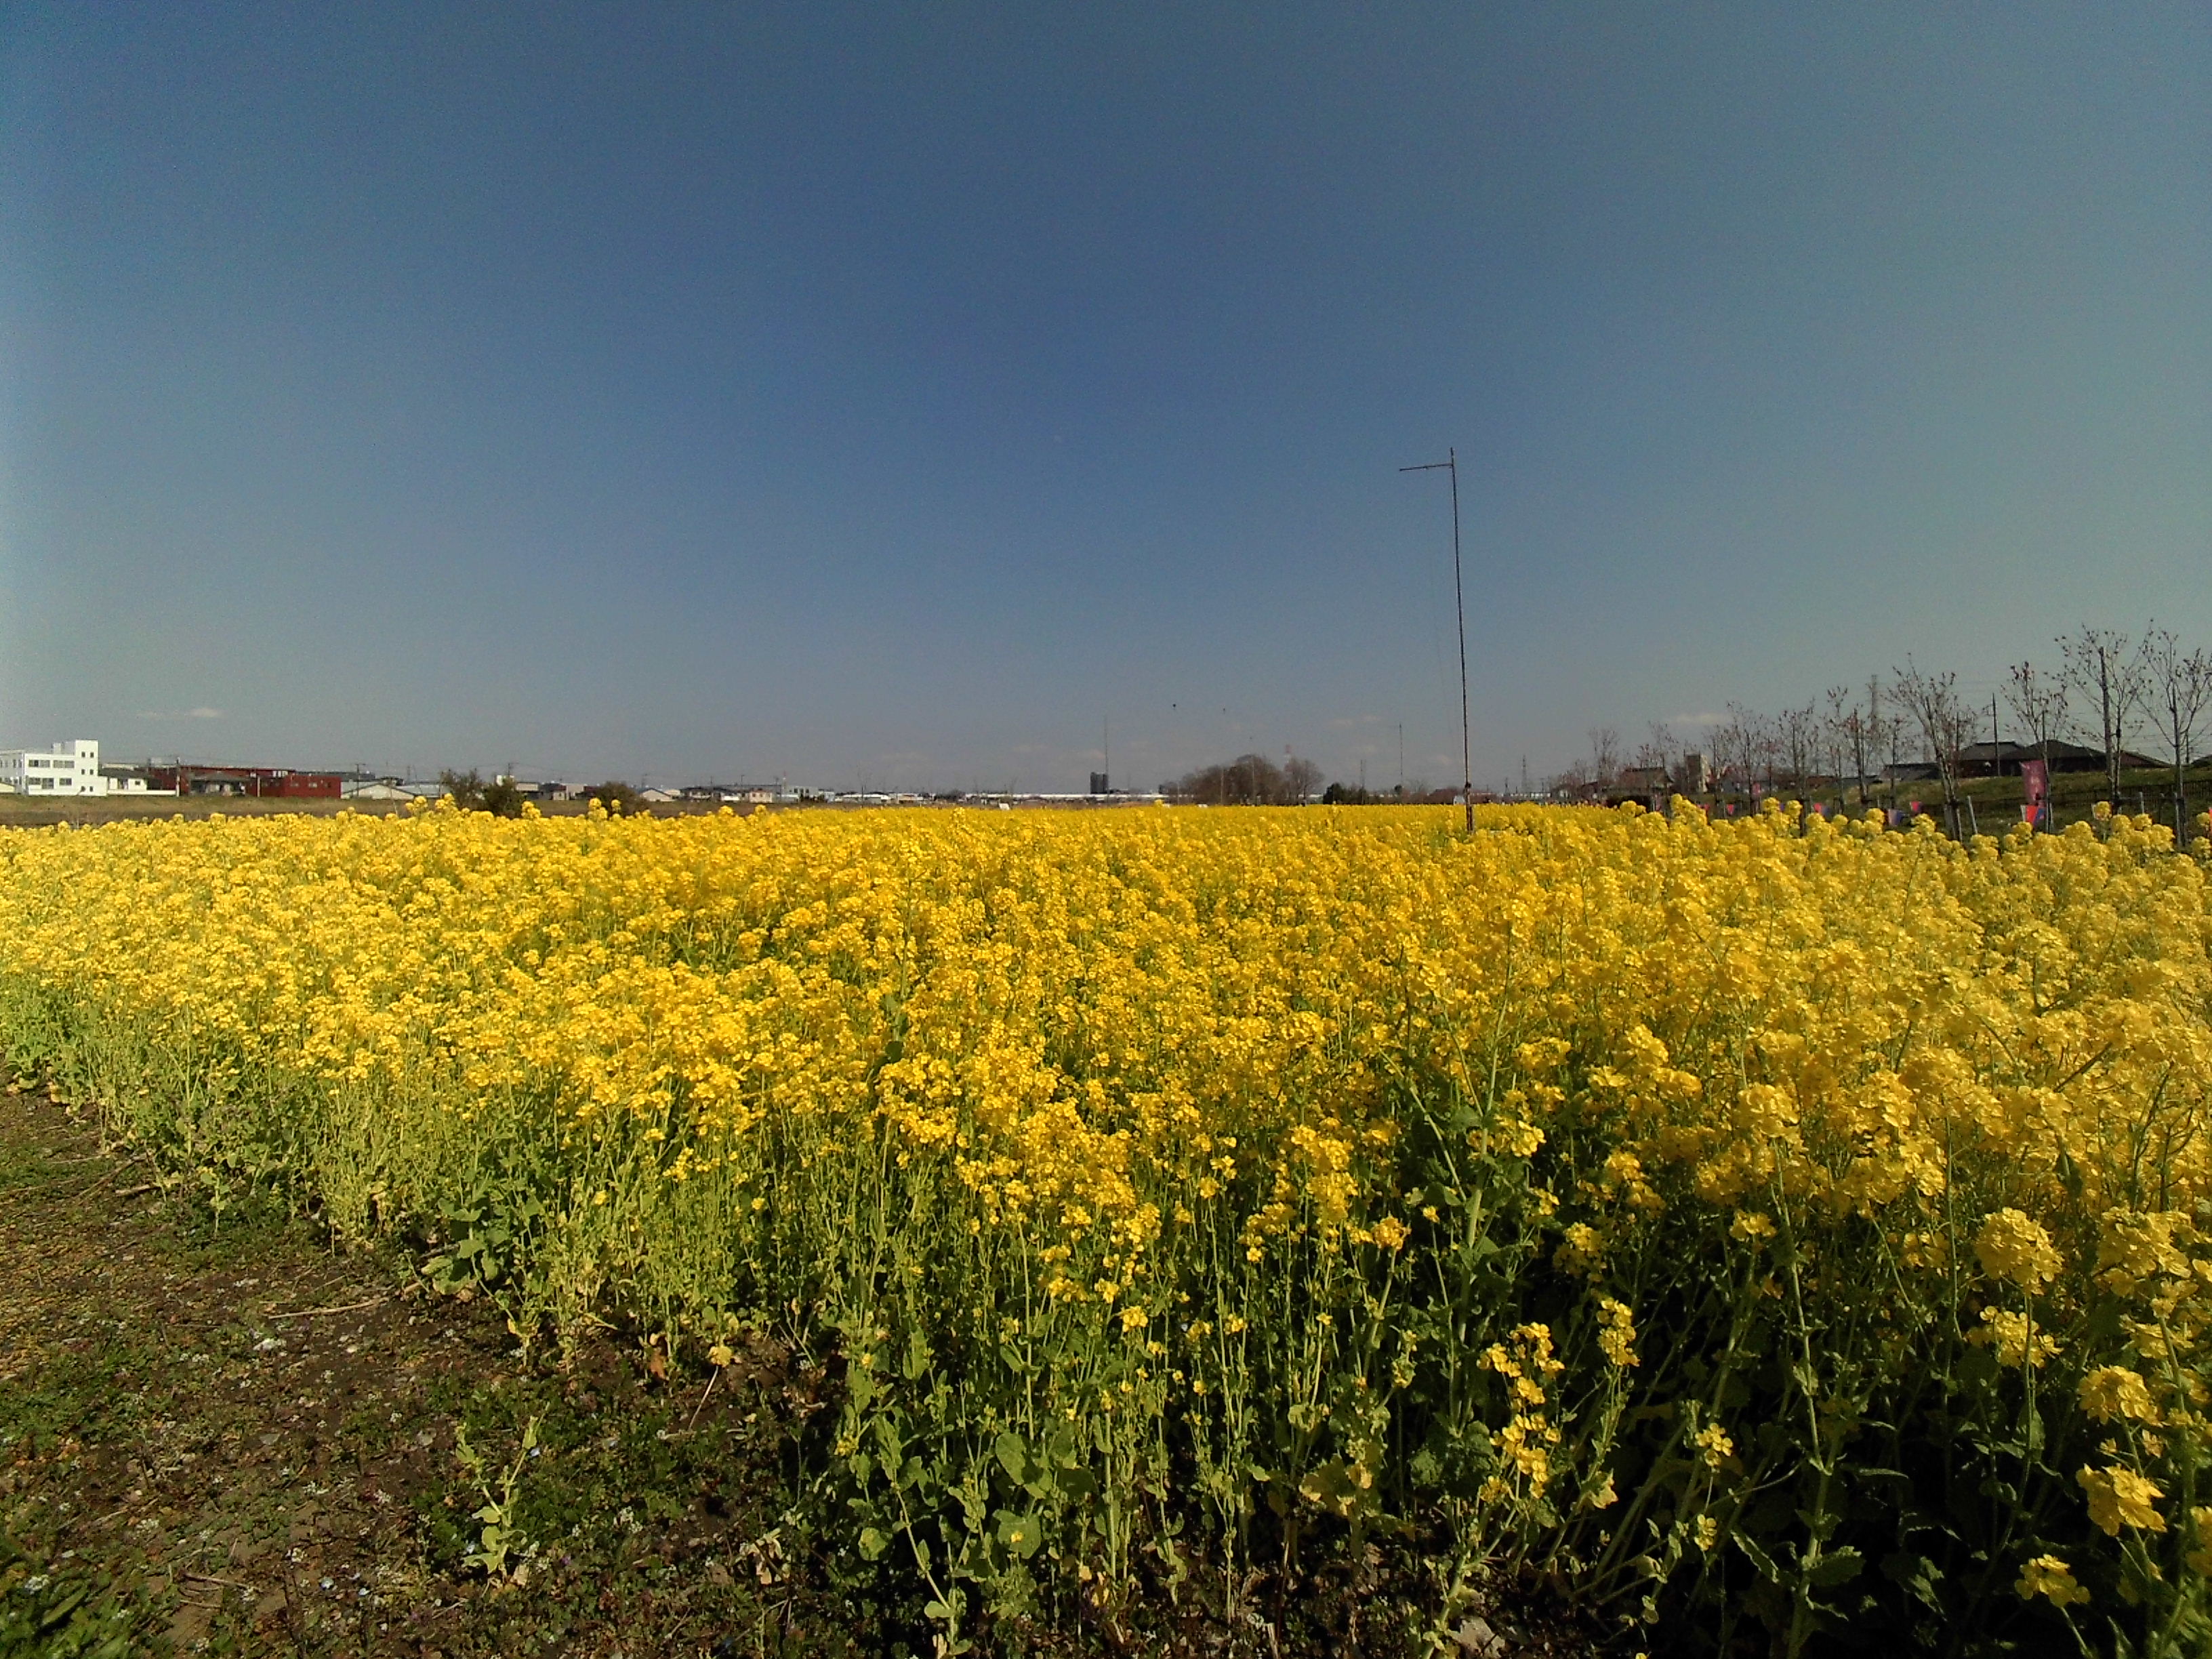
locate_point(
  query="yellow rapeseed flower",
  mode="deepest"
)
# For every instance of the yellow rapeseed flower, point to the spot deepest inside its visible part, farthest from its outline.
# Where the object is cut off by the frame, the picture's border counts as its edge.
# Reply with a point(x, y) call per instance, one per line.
point(2049, 1577)
point(2119, 1497)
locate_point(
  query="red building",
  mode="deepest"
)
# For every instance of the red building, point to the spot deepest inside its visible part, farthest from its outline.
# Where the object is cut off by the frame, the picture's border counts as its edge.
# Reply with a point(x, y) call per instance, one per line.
point(252, 782)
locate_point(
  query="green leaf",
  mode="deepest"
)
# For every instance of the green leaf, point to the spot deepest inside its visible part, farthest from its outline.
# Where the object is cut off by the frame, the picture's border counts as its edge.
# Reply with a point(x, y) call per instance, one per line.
point(1337, 1486)
point(1915, 1573)
point(1758, 1557)
point(65, 1602)
point(1013, 1456)
point(874, 1543)
point(1838, 1566)
point(1022, 1533)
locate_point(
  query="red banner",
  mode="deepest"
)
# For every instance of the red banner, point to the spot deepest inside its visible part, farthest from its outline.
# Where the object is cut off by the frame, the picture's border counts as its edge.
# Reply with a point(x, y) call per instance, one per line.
point(2035, 787)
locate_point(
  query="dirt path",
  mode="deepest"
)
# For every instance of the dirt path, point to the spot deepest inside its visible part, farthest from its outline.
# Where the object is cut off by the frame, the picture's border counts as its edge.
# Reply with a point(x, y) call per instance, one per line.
point(219, 1437)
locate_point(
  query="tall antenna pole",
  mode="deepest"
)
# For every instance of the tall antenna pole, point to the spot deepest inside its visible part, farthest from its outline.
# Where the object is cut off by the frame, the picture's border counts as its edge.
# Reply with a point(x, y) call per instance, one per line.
point(1451, 464)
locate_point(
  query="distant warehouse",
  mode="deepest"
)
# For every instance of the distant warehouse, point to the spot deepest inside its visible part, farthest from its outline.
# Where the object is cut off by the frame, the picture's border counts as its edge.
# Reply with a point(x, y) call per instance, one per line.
point(254, 782)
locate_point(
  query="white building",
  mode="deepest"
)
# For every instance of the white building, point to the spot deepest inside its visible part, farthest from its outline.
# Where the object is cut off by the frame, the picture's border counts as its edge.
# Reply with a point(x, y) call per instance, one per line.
point(70, 768)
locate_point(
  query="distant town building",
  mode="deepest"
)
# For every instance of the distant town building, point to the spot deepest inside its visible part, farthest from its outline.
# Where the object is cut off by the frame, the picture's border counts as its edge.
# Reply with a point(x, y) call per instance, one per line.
point(1637, 781)
point(1098, 784)
point(70, 768)
point(535, 789)
point(130, 780)
point(1985, 760)
point(250, 782)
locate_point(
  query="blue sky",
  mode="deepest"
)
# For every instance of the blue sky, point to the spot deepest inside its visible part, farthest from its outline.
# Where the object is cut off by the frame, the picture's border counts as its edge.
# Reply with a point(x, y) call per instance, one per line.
point(893, 395)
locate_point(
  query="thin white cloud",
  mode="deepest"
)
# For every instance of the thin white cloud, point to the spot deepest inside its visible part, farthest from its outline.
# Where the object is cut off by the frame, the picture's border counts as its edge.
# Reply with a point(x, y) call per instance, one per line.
point(180, 714)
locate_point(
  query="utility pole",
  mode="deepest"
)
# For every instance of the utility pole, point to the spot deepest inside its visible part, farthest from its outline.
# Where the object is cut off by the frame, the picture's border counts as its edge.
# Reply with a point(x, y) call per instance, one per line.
point(1401, 760)
point(1451, 464)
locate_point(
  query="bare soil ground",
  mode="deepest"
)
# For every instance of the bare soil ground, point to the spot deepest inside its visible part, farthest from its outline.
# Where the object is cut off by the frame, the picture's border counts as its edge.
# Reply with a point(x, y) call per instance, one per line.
point(216, 1436)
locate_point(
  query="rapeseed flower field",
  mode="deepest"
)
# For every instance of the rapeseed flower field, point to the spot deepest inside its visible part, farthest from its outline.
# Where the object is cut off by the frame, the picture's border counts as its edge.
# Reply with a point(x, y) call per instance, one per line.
point(1779, 1234)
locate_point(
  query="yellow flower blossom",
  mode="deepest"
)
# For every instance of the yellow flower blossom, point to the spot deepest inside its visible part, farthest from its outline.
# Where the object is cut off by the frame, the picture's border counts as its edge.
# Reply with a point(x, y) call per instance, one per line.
point(2017, 1341)
point(1617, 1332)
point(2118, 1497)
point(1713, 1445)
point(944, 1088)
point(2049, 1577)
point(2015, 1247)
point(2112, 1391)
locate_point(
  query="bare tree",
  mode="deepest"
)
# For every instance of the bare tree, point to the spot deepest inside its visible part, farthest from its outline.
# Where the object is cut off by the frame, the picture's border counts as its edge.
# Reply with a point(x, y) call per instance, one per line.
point(1571, 785)
point(2179, 693)
point(1748, 746)
point(2038, 700)
point(1798, 731)
point(2104, 666)
point(1836, 735)
point(1893, 726)
point(1732, 747)
point(1880, 730)
point(1605, 755)
point(1855, 730)
point(1657, 750)
point(1932, 701)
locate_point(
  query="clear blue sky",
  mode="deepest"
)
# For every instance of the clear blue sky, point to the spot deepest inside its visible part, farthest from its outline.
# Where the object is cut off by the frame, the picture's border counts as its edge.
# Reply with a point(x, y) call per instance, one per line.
point(892, 394)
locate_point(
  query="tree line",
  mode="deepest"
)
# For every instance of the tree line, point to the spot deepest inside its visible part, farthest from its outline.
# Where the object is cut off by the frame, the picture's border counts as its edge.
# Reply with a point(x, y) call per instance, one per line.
point(1249, 780)
point(2108, 690)
point(503, 798)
